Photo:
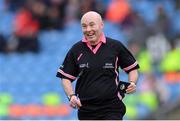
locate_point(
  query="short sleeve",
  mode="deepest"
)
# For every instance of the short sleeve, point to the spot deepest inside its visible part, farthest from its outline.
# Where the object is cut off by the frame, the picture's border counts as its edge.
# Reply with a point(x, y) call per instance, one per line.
point(69, 68)
point(127, 61)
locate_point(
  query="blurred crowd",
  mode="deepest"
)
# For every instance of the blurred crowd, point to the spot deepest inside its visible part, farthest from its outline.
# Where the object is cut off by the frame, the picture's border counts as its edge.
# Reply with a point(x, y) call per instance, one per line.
point(32, 16)
point(151, 27)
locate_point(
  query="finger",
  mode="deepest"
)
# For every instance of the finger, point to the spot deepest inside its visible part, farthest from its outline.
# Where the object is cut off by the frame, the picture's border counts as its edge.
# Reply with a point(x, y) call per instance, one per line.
point(130, 90)
point(75, 101)
point(78, 102)
point(131, 85)
point(72, 105)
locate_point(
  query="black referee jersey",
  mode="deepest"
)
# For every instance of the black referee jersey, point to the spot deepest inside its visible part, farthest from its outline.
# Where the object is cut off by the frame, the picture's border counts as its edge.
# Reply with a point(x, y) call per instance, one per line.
point(96, 70)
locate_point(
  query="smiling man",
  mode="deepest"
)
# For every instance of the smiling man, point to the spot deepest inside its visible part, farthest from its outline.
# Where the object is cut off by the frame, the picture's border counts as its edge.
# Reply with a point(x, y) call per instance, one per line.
point(94, 62)
point(92, 26)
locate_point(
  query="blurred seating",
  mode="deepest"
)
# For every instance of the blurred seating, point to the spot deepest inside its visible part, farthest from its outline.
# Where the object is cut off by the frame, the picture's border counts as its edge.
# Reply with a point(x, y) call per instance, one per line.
point(6, 21)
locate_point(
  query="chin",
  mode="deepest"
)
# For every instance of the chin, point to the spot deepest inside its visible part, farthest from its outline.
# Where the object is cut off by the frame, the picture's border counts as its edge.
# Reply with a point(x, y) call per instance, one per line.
point(91, 40)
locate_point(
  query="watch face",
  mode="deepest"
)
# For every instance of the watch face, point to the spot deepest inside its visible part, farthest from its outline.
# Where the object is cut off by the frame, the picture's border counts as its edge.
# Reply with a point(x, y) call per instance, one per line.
point(69, 97)
point(122, 87)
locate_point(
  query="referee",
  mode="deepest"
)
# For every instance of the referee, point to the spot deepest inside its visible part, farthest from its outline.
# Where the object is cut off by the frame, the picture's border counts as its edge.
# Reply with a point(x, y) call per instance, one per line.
point(94, 63)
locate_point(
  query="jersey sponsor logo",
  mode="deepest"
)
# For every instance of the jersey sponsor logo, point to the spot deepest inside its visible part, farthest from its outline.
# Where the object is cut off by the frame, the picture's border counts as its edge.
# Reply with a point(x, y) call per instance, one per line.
point(84, 65)
point(108, 65)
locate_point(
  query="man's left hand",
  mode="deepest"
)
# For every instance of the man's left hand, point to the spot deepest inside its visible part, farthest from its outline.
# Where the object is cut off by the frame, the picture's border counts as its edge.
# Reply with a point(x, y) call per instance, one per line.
point(131, 88)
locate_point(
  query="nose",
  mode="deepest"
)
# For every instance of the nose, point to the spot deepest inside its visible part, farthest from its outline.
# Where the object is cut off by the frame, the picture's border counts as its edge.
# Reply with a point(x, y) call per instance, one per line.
point(88, 28)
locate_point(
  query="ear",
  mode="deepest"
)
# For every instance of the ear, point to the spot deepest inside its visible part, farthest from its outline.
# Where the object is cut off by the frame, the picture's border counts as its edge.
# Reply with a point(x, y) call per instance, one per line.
point(102, 25)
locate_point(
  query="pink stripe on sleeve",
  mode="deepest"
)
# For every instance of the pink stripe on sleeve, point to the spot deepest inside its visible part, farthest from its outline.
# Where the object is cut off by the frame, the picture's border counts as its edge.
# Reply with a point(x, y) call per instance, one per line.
point(67, 75)
point(130, 67)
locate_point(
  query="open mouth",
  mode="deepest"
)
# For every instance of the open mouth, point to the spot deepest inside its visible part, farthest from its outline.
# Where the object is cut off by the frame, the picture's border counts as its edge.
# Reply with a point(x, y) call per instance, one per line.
point(90, 35)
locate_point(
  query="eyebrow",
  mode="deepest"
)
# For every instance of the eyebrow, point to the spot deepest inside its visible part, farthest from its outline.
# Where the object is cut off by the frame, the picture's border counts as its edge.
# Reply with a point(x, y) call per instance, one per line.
point(92, 23)
point(89, 23)
point(83, 24)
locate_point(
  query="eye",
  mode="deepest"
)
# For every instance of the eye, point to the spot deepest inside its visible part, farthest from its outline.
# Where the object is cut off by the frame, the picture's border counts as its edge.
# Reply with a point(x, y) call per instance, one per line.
point(83, 26)
point(92, 24)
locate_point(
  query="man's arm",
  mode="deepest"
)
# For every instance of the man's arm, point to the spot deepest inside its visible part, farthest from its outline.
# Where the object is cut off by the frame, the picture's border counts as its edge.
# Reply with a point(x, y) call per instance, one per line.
point(67, 85)
point(73, 99)
point(132, 77)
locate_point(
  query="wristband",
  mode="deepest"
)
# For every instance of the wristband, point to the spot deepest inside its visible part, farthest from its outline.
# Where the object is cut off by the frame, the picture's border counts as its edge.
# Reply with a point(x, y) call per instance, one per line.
point(69, 97)
point(132, 82)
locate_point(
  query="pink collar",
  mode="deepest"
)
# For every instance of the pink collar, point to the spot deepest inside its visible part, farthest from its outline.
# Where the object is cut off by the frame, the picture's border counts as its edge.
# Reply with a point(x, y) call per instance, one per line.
point(102, 40)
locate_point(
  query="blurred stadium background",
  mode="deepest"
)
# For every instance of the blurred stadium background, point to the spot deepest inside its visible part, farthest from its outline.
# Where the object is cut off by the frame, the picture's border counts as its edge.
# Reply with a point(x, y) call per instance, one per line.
point(35, 35)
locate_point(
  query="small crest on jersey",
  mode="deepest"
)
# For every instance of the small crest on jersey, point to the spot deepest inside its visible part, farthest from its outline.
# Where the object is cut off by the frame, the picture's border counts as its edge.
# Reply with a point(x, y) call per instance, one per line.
point(84, 65)
point(108, 65)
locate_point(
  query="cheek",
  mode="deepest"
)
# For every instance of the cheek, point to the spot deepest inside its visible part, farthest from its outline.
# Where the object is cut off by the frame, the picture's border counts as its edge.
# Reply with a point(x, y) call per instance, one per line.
point(97, 28)
point(98, 31)
point(83, 31)
point(83, 28)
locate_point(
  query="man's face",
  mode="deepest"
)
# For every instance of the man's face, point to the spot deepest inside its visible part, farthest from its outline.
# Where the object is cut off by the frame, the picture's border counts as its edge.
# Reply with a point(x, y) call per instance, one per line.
point(92, 28)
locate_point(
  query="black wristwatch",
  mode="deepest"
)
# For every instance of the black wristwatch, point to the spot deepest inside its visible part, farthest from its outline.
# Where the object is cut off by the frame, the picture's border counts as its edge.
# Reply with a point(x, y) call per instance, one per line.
point(69, 96)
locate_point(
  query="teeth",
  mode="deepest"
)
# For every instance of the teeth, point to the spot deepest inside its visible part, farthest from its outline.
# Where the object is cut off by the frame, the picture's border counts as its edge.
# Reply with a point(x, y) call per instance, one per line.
point(90, 34)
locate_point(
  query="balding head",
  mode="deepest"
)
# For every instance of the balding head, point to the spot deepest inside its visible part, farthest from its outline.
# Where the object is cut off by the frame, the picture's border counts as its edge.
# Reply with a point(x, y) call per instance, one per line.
point(92, 26)
point(91, 15)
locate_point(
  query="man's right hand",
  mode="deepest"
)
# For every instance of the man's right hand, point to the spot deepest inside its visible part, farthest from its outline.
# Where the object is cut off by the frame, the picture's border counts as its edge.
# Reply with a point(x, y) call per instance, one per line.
point(75, 102)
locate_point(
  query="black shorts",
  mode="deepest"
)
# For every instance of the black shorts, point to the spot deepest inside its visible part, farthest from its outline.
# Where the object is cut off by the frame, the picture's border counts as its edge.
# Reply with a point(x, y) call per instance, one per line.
point(113, 110)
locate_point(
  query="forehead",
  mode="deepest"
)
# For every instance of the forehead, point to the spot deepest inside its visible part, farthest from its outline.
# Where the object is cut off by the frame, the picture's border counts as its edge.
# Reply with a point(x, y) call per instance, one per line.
point(88, 21)
point(90, 18)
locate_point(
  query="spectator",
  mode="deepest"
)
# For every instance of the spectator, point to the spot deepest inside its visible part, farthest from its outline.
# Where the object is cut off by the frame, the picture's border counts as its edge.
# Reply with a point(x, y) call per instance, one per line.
point(135, 28)
point(117, 11)
point(56, 14)
point(26, 30)
point(157, 52)
point(72, 11)
point(162, 24)
point(39, 12)
point(89, 5)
